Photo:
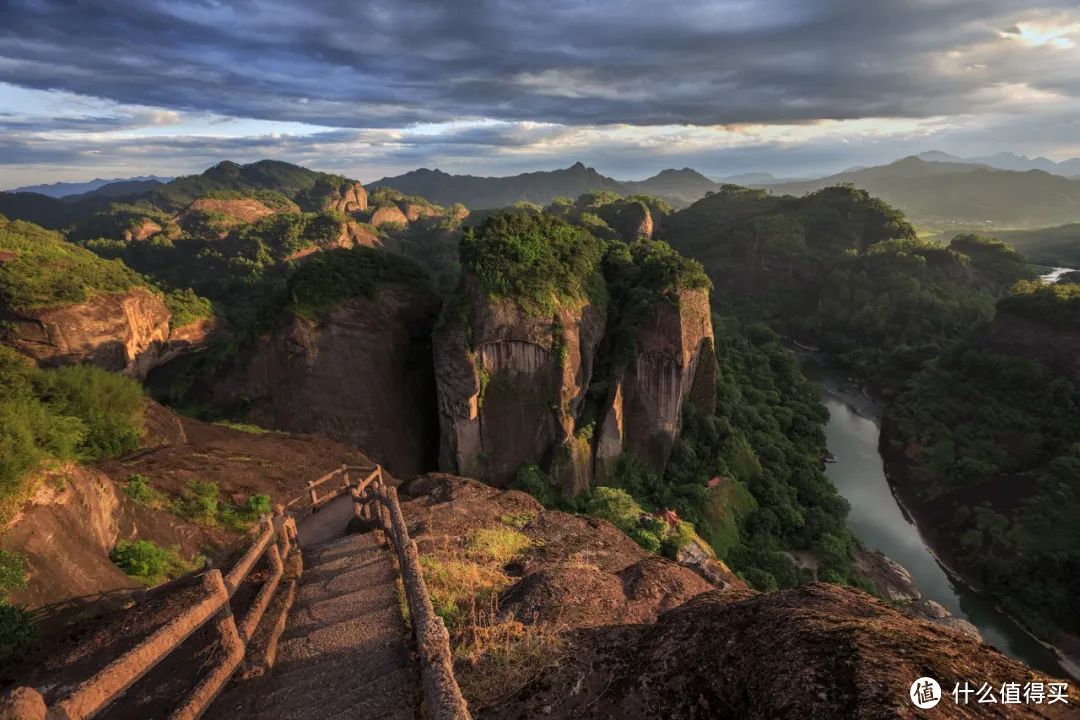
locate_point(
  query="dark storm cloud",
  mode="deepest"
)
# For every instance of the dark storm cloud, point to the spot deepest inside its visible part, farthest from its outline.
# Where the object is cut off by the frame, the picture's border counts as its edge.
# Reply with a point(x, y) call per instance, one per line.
point(389, 64)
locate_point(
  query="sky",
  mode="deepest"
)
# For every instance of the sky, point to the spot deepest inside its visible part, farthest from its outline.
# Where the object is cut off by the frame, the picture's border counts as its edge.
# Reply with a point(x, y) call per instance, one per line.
point(798, 88)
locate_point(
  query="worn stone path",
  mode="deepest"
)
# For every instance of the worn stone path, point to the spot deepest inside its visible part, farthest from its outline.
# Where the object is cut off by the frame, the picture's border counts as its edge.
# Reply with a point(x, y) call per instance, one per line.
point(345, 652)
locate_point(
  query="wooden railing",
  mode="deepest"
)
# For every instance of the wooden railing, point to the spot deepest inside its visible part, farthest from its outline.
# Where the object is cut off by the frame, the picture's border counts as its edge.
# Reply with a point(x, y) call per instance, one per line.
point(276, 540)
point(378, 504)
point(375, 503)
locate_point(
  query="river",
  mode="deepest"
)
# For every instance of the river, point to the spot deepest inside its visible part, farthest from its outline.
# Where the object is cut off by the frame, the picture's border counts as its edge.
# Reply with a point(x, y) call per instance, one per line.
point(881, 524)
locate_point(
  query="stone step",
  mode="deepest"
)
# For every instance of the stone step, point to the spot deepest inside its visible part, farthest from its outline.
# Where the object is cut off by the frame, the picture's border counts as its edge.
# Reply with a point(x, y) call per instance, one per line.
point(394, 694)
point(368, 575)
point(339, 608)
point(329, 568)
point(374, 632)
point(339, 670)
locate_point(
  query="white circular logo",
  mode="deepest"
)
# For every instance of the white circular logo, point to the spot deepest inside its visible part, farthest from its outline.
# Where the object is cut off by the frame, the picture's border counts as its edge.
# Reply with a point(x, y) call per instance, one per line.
point(925, 693)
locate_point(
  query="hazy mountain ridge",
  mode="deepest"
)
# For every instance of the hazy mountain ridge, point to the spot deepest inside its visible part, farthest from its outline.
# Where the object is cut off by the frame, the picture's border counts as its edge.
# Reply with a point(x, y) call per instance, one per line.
point(65, 189)
point(959, 193)
point(680, 187)
point(1010, 161)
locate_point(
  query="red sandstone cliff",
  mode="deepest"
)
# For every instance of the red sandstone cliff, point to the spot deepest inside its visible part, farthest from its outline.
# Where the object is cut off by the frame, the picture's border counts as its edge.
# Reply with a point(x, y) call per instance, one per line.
point(510, 382)
point(361, 374)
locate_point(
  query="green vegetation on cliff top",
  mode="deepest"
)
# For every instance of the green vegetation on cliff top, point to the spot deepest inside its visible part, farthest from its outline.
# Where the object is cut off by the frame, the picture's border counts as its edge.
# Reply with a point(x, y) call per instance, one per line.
point(329, 278)
point(38, 268)
point(533, 260)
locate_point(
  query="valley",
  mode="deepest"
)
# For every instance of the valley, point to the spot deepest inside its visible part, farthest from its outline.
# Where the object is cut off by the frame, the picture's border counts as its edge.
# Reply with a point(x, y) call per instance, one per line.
point(619, 359)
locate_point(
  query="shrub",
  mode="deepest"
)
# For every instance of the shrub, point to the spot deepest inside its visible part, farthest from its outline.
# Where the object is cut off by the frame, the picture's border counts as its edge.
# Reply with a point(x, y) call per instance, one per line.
point(616, 506)
point(534, 260)
point(65, 414)
point(646, 539)
point(109, 405)
point(147, 562)
point(329, 278)
point(198, 502)
point(534, 481)
point(142, 492)
point(49, 271)
point(677, 538)
point(187, 307)
point(16, 629)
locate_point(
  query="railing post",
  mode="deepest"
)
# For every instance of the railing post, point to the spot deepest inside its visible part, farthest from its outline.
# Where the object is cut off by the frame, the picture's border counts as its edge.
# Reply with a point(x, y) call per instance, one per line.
point(344, 475)
point(231, 642)
point(22, 703)
point(311, 492)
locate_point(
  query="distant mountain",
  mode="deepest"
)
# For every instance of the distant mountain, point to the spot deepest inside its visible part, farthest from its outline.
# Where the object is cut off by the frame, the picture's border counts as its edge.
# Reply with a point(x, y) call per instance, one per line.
point(116, 190)
point(679, 187)
point(961, 193)
point(1011, 161)
point(752, 179)
point(64, 189)
point(493, 192)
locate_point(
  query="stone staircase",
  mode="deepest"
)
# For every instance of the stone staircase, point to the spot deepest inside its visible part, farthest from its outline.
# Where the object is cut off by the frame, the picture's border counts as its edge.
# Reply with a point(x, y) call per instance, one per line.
point(346, 650)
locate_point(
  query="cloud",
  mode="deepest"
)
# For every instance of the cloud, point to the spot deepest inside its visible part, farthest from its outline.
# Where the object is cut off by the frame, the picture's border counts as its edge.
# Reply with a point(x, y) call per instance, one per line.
point(392, 64)
point(501, 86)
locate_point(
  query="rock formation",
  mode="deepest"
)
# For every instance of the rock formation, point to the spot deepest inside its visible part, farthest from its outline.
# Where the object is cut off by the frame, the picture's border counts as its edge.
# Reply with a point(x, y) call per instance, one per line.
point(674, 364)
point(360, 374)
point(388, 214)
point(347, 199)
point(512, 385)
point(120, 332)
point(510, 382)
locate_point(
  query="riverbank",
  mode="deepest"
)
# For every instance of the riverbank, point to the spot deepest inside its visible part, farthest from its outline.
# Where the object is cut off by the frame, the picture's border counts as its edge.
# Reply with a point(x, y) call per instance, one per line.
point(929, 519)
point(881, 519)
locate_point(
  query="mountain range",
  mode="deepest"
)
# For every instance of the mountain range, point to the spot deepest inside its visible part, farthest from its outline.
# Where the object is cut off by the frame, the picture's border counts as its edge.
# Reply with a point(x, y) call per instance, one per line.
point(1010, 161)
point(65, 189)
point(679, 187)
point(961, 194)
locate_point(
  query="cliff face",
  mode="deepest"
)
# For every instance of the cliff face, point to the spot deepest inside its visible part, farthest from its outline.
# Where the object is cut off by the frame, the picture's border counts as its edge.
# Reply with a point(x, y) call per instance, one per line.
point(512, 387)
point(124, 333)
point(510, 383)
point(1058, 349)
point(674, 364)
point(360, 374)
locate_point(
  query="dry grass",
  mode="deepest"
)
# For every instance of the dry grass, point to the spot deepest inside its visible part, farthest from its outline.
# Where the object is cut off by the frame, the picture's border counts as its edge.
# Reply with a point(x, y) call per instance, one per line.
point(498, 545)
point(460, 588)
point(496, 659)
point(518, 520)
point(494, 656)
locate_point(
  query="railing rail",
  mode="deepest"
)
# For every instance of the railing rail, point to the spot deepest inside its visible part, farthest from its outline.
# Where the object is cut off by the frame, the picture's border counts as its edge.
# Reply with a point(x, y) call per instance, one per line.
point(442, 696)
point(276, 541)
point(374, 502)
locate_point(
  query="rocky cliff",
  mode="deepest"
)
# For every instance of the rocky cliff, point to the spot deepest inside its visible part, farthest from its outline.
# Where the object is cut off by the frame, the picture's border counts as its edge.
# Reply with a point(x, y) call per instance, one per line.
point(511, 382)
point(124, 332)
point(674, 363)
point(360, 373)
